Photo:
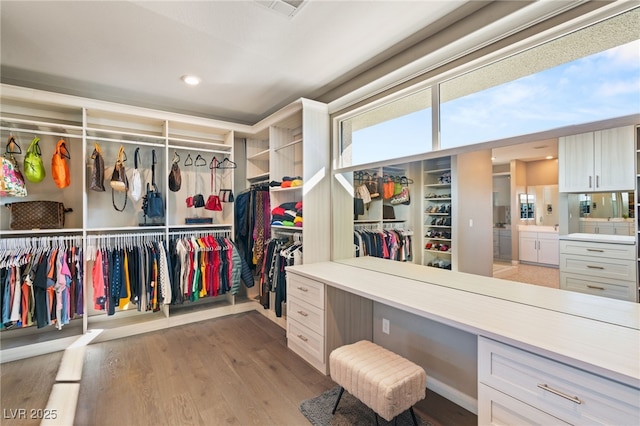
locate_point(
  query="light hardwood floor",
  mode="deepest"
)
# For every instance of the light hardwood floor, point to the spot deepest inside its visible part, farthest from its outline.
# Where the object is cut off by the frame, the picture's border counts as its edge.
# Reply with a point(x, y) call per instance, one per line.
point(231, 370)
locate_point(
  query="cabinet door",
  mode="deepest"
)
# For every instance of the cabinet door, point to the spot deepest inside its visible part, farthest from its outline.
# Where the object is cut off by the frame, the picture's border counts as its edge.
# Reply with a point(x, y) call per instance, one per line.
point(622, 229)
point(529, 246)
point(548, 249)
point(575, 161)
point(614, 159)
point(605, 228)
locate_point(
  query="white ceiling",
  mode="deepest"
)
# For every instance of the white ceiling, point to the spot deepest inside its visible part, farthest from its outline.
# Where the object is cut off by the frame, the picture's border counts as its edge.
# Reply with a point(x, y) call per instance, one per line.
point(252, 60)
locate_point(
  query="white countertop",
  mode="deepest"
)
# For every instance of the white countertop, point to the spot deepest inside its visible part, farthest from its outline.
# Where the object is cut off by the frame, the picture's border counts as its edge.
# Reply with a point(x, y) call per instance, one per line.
point(538, 228)
point(600, 238)
point(606, 348)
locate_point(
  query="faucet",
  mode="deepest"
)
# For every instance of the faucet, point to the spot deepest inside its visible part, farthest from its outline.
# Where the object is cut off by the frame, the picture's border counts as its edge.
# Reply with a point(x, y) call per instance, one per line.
point(555, 227)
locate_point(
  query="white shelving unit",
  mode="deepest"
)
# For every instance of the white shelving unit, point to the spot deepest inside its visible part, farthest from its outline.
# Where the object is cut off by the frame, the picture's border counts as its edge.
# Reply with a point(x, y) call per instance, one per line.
point(83, 123)
point(437, 223)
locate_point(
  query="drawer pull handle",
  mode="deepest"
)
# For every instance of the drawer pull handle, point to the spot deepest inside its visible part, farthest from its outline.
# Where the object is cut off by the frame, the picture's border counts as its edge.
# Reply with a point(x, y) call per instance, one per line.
point(595, 287)
point(594, 267)
point(597, 250)
point(303, 313)
point(303, 289)
point(546, 387)
point(301, 337)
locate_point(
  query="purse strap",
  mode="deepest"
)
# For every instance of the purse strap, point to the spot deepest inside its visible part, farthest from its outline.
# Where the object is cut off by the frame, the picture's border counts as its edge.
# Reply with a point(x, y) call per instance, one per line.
point(113, 201)
point(154, 160)
point(34, 146)
point(136, 156)
point(213, 165)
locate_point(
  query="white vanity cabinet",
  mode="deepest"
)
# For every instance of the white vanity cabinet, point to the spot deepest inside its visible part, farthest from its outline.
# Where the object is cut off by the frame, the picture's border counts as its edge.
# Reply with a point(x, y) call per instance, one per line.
point(597, 161)
point(522, 387)
point(539, 247)
point(601, 268)
point(306, 319)
point(606, 227)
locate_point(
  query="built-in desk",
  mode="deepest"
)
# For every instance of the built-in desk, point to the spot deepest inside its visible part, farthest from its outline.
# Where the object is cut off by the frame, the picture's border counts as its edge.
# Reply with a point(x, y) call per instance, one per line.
point(540, 355)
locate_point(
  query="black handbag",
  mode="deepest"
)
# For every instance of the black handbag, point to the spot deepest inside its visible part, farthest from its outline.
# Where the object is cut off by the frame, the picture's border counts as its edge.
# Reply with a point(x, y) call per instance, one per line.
point(152, 204)
point(97, 172)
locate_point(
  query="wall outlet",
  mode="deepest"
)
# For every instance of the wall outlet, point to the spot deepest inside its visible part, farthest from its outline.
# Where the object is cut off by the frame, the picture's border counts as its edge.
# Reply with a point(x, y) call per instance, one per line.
point(385, 326)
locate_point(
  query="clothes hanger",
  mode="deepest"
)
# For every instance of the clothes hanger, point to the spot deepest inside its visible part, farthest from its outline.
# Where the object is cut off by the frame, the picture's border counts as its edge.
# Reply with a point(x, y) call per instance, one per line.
point(227, 164)
point(188, 161)
point(200, 161)
point(12, 145)
point(64, 152)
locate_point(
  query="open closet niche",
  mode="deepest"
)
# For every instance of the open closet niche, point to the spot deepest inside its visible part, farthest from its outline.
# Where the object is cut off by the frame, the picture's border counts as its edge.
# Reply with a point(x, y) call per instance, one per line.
point(193, 221)
point(382, 211)
point(287, 174)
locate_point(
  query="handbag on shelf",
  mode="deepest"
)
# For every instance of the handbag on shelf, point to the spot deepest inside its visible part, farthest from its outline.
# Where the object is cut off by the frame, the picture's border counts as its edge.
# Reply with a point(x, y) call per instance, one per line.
point(26, 215)
point(97, 171)
point(213, 201)
point(372, 186)
point(33, 165)
point(119, 181)
point(175, 177)
point(136, 179)
point(59, 165)
point(388, 187)
point(152, 204)
point(402, 197)
point(11, 180)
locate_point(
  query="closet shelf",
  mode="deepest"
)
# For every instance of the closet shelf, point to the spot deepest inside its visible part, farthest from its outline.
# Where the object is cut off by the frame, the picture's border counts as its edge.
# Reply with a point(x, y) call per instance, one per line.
point(198, 145)
point(38, 125)
point(42, 232)
point(197, 149)
point(262, 176)
point(287, 228)
point(126, 228)
point(201, 225)
point(15, 131)
point(263, 155)
point(280, 189)
point(287, 145)
point(437, 185)
point(437, 171)
point(110, 135)
point(140, 142)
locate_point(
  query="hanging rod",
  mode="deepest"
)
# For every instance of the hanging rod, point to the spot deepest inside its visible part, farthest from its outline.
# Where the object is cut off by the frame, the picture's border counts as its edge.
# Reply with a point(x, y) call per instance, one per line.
point(41, 132)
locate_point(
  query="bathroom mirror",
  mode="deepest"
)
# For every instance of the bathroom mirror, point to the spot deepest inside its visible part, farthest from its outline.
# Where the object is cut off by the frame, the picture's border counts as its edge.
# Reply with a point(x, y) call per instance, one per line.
point(602, 205)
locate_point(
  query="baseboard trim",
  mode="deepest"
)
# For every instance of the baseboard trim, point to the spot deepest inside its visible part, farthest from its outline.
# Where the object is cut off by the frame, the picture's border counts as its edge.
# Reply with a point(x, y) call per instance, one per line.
point(465, 401)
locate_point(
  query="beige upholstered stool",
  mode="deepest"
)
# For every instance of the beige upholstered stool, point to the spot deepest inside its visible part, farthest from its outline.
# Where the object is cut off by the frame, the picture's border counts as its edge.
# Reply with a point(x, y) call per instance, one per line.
point(384, 381)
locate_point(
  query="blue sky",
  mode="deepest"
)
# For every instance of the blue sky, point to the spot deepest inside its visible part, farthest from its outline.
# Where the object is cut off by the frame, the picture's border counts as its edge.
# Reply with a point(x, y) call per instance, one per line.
point(596, 87)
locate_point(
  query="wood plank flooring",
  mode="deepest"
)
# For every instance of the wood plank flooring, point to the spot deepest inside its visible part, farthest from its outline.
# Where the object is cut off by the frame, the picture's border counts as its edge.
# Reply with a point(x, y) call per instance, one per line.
point(234, 370)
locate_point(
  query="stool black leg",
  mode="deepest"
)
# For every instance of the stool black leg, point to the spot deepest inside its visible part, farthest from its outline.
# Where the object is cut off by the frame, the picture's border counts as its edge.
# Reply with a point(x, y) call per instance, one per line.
point(376, 415)
point(413, 416)
point(338, 400)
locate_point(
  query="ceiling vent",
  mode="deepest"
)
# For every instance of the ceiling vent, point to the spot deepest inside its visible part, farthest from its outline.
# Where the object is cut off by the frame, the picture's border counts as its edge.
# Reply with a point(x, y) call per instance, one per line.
point(287, 8)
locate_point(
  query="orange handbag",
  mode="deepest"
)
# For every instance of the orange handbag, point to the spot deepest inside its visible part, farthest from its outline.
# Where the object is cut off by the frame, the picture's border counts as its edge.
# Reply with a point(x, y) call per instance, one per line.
point(59, 165)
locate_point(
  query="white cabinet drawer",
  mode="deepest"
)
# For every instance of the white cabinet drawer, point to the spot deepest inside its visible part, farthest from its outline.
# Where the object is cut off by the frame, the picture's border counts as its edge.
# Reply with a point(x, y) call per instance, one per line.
point(305, 289)
point(616, 289)
point(568, 393)
point(306, 314)
point(614, 251)
point(618, 269)
point(305, 342)
point(496, 408)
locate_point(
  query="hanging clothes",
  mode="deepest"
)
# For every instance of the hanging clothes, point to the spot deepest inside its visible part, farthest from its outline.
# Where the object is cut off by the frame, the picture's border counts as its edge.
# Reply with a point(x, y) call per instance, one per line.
point(137, 274)
point(392, 244)
point(40, 285)
point(252, 223)
point(278, 254)
point(208, 265)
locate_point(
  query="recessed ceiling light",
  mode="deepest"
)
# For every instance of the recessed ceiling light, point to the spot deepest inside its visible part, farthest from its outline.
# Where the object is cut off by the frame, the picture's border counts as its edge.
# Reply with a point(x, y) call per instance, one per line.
point(191, 80)
point(549, 157)
point(493, 158)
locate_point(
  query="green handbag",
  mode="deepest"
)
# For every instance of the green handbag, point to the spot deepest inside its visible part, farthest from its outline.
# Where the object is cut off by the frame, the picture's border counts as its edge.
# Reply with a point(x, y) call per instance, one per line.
point(33, 166)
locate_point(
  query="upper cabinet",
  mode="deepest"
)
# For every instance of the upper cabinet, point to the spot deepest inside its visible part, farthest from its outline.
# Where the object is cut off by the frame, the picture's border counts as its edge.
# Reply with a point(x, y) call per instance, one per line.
point(597, 161)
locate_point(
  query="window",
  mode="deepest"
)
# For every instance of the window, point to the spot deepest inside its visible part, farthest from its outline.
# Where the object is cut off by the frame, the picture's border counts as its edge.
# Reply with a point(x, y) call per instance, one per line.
point(589, 75)
point(396, 129)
